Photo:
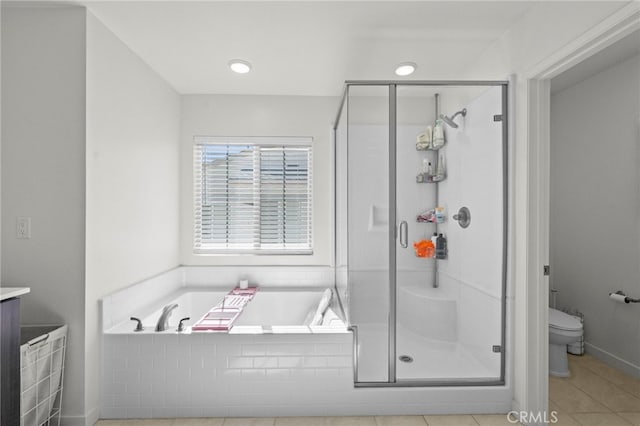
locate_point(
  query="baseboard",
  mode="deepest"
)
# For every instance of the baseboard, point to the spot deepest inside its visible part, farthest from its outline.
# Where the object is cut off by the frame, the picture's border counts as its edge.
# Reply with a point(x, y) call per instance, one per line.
point(612, 360)
point(89, 420)
point(73, 421)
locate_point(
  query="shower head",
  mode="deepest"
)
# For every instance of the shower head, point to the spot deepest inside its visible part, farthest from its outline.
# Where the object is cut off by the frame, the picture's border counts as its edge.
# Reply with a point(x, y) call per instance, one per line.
point(450, 121)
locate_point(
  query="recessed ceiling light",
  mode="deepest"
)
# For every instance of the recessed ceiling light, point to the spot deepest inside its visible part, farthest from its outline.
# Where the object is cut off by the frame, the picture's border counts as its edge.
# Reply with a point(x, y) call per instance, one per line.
point(239, 66)
point(406, 68)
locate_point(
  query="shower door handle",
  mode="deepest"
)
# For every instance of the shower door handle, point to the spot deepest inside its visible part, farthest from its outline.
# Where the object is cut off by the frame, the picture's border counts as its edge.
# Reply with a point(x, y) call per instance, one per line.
point(404, 239)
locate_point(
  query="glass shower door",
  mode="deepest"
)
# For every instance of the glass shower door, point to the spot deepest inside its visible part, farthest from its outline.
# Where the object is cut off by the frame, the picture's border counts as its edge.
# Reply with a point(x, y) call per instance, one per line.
point(449, 309)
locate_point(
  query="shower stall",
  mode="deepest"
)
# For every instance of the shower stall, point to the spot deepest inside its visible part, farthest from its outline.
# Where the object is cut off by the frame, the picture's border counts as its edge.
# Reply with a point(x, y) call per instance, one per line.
point(421, 230)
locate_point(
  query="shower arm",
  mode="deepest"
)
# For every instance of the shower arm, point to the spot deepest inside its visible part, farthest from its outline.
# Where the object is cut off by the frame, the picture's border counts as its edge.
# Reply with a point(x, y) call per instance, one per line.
point(462, 111)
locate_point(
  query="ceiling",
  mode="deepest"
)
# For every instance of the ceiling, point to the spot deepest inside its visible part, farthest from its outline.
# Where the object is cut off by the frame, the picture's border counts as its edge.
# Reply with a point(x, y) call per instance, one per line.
point(304, 47)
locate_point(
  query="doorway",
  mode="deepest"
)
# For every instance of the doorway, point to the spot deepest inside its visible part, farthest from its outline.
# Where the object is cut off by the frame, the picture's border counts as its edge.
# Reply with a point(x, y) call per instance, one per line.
point(536, 101)
point(594, 230)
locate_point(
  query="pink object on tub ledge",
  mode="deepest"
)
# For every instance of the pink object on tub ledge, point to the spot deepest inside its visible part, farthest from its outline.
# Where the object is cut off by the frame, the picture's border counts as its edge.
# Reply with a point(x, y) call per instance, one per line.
point(250, 291)
point(222, 316)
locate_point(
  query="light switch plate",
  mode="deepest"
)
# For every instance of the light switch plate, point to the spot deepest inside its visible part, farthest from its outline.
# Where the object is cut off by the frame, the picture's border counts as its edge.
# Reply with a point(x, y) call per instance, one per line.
point(23, 228)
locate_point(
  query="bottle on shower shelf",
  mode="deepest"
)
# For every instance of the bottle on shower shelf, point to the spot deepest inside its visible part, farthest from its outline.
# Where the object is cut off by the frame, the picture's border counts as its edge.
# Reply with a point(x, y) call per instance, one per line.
point(440, 170)
point(427, 170)
point(438, 135)
point(441, 247)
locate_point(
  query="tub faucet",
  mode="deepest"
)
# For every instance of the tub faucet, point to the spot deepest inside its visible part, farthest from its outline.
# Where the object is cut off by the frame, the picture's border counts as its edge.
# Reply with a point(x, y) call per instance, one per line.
point(163, 321)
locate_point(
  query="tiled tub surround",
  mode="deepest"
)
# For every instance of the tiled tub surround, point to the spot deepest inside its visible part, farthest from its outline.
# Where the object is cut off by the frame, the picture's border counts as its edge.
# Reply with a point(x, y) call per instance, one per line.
point(255, 370)
point(245, 375)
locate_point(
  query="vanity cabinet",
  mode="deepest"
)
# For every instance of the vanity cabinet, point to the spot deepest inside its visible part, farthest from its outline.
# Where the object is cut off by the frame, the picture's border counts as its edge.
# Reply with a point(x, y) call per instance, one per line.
point(10, 362)
point(10, 354)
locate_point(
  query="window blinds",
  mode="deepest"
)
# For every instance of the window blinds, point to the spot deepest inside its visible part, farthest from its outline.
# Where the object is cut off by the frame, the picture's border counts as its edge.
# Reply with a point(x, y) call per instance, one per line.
point(253, 195)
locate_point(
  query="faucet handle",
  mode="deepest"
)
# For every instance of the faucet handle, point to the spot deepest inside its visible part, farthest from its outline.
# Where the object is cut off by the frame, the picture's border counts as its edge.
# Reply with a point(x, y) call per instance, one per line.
point(181, 325)
point(139, 326)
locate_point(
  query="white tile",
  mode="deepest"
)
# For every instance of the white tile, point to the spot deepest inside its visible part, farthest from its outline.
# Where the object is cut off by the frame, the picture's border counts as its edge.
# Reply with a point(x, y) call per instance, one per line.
point(328, 349)
point(153, 399)
point(113, 412)
point(138, 388)
point(139, 413)
point(126, 377)
point(164, 412)
point(315, 361)
point(178, 399)
point(153, 376)
point(339, 361)
point(126, 400)
point(253, 350)
point(277, 373)
point(108, 400)
point(253, 373)
point(111, 388)
point(298, 348)
point(203, 351)
point(240, 362)
point(265, 362)
point(302, 374)
point(290, 361)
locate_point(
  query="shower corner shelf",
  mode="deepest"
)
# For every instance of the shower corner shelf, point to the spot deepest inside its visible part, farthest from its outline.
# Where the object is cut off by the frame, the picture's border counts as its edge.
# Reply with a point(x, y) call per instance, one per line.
point(432, 179)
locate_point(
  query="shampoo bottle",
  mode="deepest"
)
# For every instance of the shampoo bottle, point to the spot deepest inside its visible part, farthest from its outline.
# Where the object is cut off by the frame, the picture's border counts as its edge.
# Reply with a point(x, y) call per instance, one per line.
point(441, 247)
point(427, 170)
point(438, 135)
point(440, 169)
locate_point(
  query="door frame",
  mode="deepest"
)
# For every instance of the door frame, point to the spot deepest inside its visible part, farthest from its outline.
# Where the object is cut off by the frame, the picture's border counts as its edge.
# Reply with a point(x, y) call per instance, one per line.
point(536, 293)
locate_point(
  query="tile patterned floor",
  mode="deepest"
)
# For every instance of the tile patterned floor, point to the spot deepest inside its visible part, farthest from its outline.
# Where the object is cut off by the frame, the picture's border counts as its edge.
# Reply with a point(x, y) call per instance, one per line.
point(594, 395)
point(453, 420)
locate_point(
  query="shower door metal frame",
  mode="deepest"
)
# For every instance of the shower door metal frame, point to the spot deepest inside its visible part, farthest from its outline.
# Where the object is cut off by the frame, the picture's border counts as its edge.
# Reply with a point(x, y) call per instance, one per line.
point(393, 228)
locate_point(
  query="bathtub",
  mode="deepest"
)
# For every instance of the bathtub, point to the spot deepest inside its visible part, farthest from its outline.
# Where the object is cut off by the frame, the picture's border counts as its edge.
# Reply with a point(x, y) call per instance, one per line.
point(270, 310)
point(266, 357)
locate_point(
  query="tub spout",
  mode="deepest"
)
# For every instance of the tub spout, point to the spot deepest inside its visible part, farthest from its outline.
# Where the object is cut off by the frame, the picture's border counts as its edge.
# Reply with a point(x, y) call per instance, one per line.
point(163, 321)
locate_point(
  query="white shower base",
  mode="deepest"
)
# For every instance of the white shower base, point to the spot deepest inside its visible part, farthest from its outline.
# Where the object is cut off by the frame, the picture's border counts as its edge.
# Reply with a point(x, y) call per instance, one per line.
point(433, 359)
point(438, 360)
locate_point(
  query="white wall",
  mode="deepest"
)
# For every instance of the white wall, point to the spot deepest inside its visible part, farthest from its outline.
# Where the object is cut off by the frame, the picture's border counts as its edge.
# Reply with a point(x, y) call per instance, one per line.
point(547, 27)
point(132, 220)
point(595, 206)
point(222, 115)
point(43, 173)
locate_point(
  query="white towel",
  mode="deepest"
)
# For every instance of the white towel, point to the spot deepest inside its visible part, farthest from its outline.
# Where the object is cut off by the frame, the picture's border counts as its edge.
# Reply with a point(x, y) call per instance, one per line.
point(325, 301)
point(331, 319)
point(315, 315)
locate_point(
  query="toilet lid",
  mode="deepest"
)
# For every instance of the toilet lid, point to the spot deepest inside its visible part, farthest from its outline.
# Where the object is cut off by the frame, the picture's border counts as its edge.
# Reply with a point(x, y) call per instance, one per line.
point(563, 321)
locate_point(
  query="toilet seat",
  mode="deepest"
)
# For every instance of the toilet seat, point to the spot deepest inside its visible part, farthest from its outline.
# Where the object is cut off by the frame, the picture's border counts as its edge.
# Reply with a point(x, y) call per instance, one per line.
point(562, 321)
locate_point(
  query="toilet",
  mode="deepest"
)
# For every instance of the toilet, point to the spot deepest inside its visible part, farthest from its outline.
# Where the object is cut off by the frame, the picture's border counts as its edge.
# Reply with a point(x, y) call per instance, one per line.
point(564, 329)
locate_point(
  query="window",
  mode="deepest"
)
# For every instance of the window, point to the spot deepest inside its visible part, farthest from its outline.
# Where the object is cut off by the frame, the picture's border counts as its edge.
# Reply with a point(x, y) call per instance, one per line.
point(252, 195)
